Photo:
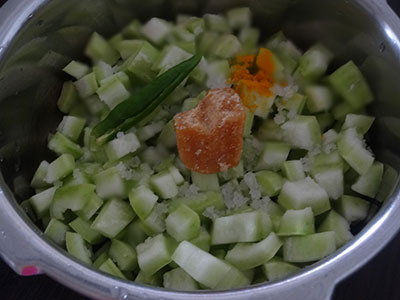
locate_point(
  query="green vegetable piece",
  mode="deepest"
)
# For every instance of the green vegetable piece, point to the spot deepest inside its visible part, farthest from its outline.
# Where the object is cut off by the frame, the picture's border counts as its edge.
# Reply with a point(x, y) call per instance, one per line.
point(246, 256)
point(77, 247)
point(276, 269)
point(349, 83)
point(109, 267)
point(70, 197)
point(155, 253)
point(142, 200)
point(339, 225)
point(88, 234)
point(114, 216)
point(352, 208)
point(56, 231)
point(368, 184)
point(178, 279)
point(309, 248)
point(183, 223)
point(140, 104)
point(297, 222)
point(124, 255)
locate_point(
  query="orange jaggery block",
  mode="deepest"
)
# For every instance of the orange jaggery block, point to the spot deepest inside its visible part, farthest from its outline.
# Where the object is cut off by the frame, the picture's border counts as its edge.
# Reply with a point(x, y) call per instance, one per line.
point(210, 136)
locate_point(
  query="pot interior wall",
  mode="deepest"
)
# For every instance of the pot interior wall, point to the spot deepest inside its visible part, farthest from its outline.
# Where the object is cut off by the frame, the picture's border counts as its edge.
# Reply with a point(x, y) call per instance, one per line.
point(30, 76)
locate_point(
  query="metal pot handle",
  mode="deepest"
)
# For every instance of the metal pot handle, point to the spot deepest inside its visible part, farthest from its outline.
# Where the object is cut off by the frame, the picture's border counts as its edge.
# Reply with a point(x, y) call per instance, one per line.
point(15, 242)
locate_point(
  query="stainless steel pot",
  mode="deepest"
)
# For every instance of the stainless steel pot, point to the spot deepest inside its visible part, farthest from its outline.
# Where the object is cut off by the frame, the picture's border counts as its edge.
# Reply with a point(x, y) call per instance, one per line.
point(37, 38)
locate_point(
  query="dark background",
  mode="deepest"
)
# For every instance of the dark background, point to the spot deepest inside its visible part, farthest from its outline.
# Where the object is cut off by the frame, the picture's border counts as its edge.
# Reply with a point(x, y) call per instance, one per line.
point(379, 279)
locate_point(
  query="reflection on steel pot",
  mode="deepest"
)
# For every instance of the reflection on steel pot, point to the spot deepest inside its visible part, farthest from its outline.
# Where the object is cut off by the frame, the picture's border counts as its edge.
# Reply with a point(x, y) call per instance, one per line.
point(38, 38)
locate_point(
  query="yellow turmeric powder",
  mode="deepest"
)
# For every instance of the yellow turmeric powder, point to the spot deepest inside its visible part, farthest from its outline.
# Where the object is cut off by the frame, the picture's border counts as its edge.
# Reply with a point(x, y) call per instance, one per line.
point(247, 83)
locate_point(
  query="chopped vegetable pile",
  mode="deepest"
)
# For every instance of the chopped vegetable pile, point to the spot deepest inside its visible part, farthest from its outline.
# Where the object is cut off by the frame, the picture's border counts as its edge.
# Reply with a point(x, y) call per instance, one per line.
point(194, 156)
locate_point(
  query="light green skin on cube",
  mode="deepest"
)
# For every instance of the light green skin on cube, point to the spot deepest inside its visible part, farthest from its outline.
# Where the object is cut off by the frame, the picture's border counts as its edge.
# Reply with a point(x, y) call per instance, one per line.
point(142, 200)
point(276, 269)
point(239, 17)
point(109, 267)
point(112, 93)
point(246, 256)
point(361, 123)
point(249, 37)
point(314, 62)
point(352, 208)
point(102, 70)
point(206, 182)
point(76, 69)
point(326, 160)
point(60, 144)
point(124, 255)
point(388, 184)
point(139, 64)
point(319, 98)
point(216, 23)
point(242, 227)
point(77, 247)
point(100, 259)
point(114, 216)
point(87, 85)
point(154, 223)
point(302, 194)
point(339, 225)
point(71, 127)
point(109, 184)
point(127, 48)
point(206, 268)
point(121, 146)
point(227, 46)
point(154, 280)
point(156, 30)
point(83, 227)
point(91, 207)
point(369, 183)
point(98, 49)
point(60, 168)
point(203, 240)
point(147, 132)
point(183, 223)
point(266, 225)
point(297, 222)
point(178, 279)
point(163, 184)
point(176, 175)
point(309, 248)
point(249, 123)
point(293, 170)
point(270, 183)
point(68, 97)
point(352, 150)
point(350, 84)
point(169, 57)
point(70, 197)
point(41, 202)
point(331, 179)
point(134, 234)
point(56, 231)
point(302, 132)
point(155, 253)
point(38, 181)
point(132, 30)
point(168, 136)
point(273, 156)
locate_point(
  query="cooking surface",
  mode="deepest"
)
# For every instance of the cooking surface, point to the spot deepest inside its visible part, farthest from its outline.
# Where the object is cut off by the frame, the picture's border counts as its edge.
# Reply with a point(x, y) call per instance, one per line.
point(379, 279)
